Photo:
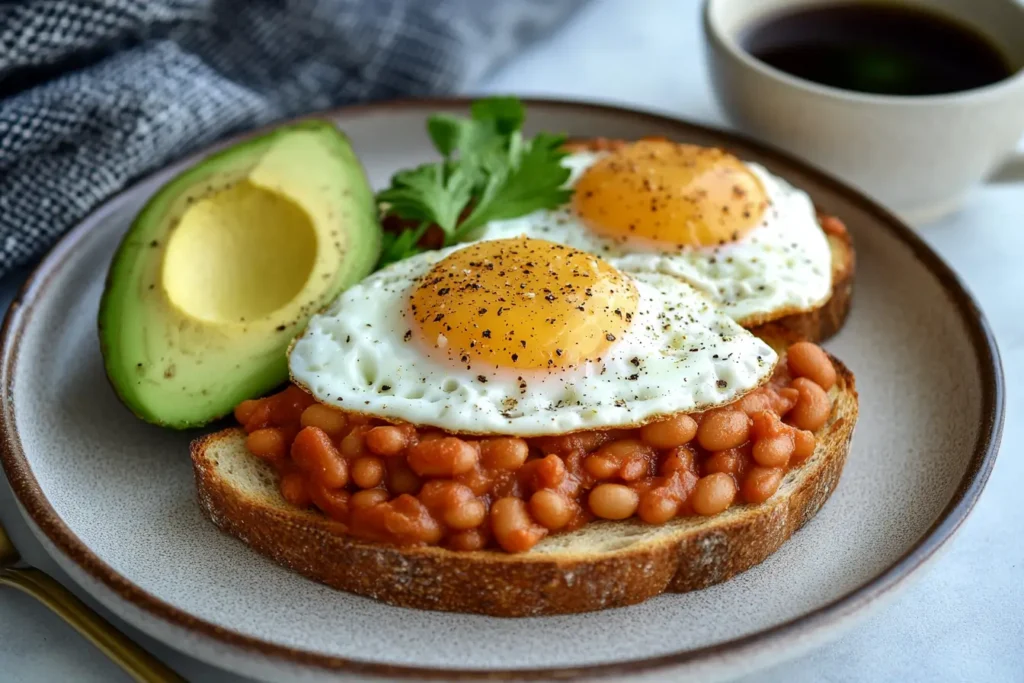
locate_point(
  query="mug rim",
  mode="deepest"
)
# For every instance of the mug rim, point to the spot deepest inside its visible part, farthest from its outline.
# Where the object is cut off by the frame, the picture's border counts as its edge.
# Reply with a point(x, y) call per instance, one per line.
point(714, 33)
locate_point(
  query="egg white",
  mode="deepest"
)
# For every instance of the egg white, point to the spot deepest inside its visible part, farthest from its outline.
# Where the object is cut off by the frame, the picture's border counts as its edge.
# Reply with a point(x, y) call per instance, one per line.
point(782, 266)
point(679, 355)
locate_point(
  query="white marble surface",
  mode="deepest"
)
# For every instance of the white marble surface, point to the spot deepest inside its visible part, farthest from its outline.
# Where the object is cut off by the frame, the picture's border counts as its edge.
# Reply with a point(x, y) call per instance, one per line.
point(961, 620)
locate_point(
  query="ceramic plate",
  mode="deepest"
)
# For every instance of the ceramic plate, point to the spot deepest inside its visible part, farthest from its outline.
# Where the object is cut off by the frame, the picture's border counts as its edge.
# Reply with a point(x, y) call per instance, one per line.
point(113, 499)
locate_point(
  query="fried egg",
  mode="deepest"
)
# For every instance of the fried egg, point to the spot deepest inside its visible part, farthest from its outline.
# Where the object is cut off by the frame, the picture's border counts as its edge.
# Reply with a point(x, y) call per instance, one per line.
point(731, 229)
point(525, 337)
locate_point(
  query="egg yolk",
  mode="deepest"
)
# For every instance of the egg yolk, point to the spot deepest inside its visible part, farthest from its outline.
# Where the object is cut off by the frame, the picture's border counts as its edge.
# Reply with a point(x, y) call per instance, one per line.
point(521, 304)
point(670, 194)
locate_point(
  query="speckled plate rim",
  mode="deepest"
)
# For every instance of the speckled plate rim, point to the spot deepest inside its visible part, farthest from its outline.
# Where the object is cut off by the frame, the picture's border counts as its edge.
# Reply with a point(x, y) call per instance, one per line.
point(33, 501)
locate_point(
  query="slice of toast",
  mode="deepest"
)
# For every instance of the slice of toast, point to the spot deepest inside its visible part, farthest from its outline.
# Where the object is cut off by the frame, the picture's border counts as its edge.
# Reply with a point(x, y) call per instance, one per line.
point(815, 325)
point(603, 564)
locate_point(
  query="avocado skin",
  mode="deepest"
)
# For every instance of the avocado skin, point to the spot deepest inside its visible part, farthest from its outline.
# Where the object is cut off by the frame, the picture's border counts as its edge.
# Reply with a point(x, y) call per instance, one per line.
point(257, 363)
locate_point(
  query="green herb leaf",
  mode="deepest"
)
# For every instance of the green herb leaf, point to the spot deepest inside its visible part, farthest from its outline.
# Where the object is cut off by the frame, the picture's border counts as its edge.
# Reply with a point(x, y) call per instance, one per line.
point(534, 182)
point(398, 246)
point(489, 171)
point(432, 192)
point(505, 114)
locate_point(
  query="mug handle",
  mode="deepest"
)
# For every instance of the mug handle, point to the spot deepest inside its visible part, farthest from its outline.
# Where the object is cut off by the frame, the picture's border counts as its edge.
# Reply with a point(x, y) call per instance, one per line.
point(1011, 171)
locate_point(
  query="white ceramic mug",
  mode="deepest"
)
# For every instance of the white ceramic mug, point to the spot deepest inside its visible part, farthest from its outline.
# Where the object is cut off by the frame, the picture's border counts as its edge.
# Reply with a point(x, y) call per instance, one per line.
point(919, 155)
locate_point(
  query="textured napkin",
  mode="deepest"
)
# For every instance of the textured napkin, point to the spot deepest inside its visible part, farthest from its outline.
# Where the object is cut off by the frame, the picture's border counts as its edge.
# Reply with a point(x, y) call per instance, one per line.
point(94, 94)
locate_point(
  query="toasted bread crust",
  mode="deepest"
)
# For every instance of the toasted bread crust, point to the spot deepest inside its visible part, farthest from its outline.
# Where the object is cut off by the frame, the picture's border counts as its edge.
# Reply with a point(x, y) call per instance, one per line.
point(694, 553)
point(816, 325)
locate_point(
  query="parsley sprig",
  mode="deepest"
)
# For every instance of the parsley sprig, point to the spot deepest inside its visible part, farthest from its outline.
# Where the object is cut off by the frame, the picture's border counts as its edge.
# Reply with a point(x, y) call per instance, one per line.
point(488, 172)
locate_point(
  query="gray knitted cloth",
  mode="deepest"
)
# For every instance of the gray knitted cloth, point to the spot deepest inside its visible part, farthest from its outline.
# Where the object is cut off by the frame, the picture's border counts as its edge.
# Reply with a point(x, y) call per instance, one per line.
point(95, 93)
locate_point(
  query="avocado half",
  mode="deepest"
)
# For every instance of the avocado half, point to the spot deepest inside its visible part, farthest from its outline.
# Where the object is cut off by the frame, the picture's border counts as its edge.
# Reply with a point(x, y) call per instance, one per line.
point(226, 263)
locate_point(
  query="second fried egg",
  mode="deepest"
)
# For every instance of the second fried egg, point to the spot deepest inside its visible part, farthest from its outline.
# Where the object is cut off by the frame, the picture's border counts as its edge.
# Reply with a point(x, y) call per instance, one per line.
point(732, 229)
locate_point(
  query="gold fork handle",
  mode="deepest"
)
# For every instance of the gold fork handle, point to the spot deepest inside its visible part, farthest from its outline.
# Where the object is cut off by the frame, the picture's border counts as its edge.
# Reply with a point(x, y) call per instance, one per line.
point(135, 661)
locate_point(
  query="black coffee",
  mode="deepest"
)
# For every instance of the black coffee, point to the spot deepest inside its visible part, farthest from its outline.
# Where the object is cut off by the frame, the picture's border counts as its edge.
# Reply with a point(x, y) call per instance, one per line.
point(875, 48)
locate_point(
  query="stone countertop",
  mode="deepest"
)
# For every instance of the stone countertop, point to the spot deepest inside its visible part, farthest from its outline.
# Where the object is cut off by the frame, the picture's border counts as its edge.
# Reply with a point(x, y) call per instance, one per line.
point(962, 619)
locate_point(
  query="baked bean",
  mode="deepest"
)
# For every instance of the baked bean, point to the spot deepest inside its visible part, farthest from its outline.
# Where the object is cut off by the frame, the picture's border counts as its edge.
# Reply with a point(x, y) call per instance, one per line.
point(657, 506)
point(754, 402)
point(422, 527)
point(245, 410)
point(765, 424)
point(543, 473)
point(773, 451)
point(358, 419)
point(402, 521)
point(471, 539)
point(613, 501)
point(600, 467)
point(723, 429)
point(731, 462)
point(805, 359)
point(644, 485)
point(681, 484)
point(267, 443)
point(579, 442)
point(468, 514)
point(388, 441)
point(481, 481)
point(784, 400)
point(315, 454)
point(288, 405)
point(634, 468)
point(367, 498)
point(293, 489)
point(412, 437)
point(332, 502)
point(623, 449)
point(444, 457)
point(761, 483)
point(513, 528)
point(503, 453)
point(330, 420)
point(627, 458)
point(257, 415)
point(679, 459)
point(804, 443)
point(551, 509)
point(353, 445)
point(432, 436)
point(367, 472)
point(713, 494)
point(400, 477)
point(812, 408)
point(669, 433)
point(440, 494)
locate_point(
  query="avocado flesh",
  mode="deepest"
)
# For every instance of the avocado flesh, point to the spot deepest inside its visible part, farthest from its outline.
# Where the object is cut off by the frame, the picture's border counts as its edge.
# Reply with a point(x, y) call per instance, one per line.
point(225, 264)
